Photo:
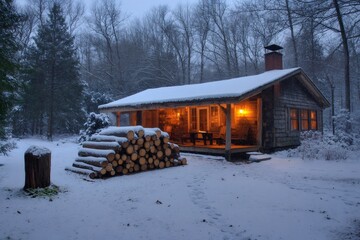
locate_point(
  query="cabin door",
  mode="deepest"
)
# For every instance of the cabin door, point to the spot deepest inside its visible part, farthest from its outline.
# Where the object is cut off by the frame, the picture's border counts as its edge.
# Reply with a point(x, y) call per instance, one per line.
point(203, 119)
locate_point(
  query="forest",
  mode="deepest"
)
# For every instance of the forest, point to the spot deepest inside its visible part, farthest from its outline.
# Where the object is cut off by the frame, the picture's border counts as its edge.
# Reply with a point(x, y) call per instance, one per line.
point(59, 60)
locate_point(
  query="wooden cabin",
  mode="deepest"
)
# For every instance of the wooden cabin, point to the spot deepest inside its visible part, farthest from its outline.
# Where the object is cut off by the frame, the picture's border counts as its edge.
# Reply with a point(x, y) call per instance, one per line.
point(261, 112)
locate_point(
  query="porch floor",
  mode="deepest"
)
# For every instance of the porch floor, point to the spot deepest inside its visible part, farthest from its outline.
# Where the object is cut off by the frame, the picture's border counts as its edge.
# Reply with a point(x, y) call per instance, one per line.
point(216, 149)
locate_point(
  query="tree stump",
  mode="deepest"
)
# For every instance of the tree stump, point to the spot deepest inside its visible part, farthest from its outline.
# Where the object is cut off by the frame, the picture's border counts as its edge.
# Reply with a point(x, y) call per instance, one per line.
point(37, 167)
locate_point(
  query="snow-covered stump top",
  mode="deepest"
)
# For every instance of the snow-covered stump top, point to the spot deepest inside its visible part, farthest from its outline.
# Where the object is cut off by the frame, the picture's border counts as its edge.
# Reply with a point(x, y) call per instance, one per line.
point(37, 151)
point(37, 167)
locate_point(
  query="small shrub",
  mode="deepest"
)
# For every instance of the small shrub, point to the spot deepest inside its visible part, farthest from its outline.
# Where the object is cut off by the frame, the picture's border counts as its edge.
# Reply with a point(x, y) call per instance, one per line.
point(93, 124)
point(334, 153)
point(314, 145)
point(6, 146)
point(343, 128)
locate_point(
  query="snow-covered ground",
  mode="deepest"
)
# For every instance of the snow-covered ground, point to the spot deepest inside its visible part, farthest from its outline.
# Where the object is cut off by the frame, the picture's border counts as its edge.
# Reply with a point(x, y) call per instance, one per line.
point(284, 198)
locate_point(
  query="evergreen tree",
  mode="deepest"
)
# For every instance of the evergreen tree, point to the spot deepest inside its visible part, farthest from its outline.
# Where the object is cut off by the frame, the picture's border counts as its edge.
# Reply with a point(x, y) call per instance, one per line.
point(53, 97)
point(8, 47)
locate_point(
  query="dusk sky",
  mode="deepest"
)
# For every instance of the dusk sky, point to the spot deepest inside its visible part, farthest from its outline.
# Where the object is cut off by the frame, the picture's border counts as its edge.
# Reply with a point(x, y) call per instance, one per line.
point(136, 8)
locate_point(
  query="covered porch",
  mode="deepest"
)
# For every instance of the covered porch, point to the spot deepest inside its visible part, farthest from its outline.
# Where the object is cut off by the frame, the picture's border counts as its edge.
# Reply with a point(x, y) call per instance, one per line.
point(218, 129)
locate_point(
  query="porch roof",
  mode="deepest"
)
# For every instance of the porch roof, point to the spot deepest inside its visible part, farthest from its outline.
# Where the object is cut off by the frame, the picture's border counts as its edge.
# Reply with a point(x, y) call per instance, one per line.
point(223, 91)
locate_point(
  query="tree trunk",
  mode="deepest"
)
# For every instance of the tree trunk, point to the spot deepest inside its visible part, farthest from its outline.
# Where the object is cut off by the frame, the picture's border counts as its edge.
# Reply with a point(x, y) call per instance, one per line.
point(37, 167)
point(293, 39)
point(346, 55)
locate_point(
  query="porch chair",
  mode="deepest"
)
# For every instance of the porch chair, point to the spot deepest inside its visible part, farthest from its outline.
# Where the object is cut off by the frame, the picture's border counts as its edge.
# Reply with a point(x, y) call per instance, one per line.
point(220, 136)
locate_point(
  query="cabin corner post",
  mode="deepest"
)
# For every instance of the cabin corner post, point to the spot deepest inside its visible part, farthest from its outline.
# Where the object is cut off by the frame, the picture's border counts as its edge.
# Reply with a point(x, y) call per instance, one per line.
point(228, 133)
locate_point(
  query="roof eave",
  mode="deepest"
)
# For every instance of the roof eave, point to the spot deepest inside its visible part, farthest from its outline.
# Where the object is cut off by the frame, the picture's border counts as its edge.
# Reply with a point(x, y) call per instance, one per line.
point(172, 104)
point(314, 90)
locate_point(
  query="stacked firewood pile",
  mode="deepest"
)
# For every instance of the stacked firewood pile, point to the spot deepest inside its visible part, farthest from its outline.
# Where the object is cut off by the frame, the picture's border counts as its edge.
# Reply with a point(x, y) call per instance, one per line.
point(124, 150)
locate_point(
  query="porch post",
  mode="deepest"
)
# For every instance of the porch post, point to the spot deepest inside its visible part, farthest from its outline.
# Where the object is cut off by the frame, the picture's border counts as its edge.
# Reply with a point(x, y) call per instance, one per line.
point(139, 118)
point(259, 121)
point(118, 119)
point(228, 133)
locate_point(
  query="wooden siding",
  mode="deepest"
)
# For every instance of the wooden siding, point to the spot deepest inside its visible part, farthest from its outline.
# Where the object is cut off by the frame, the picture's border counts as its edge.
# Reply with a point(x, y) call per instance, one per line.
point(277, 102)
point(268, 119)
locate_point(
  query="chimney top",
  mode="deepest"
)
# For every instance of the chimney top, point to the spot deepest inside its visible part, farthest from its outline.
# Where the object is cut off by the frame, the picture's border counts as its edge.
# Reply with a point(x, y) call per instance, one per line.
point(273, 47)
point(273, 58)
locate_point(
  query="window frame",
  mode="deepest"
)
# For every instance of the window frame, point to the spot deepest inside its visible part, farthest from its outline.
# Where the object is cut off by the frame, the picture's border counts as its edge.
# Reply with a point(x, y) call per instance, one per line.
point(303, 119)
point(294, 118)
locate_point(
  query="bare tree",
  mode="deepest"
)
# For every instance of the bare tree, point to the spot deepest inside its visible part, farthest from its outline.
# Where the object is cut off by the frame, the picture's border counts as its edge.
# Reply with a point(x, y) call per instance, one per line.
point(74, 13)
point(184, 19)
point(107, 23)
point(40, 7)
point(220, 34)
point(26, 28)
point(202, 27)
point(341, 17)
point(158, 64)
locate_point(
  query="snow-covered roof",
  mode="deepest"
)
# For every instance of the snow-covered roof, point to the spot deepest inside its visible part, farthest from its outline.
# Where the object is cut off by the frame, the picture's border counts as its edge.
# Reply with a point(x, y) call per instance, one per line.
point(217, 90)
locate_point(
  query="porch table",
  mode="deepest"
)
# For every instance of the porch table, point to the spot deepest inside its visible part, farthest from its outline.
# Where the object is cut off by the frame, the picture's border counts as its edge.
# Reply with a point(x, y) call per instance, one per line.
point(204, 136)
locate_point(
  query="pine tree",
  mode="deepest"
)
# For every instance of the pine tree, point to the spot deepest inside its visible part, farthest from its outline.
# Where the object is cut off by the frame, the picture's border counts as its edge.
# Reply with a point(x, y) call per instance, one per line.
point(54, 95)
point(8, 47)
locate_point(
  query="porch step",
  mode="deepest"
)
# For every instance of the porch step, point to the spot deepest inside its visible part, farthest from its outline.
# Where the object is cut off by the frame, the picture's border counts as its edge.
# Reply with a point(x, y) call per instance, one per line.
point(258, 156)
point(254, 153)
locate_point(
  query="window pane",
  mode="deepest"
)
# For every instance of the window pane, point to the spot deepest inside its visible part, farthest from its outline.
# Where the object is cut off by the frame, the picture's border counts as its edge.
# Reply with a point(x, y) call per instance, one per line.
point(313, 120)
point(214, 117)
point(193, 119)
point(294, 119)
point(304, 120)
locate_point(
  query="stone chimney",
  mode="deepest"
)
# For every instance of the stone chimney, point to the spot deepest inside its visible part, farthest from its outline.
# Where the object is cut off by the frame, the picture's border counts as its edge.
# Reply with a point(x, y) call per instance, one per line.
point(273, 58)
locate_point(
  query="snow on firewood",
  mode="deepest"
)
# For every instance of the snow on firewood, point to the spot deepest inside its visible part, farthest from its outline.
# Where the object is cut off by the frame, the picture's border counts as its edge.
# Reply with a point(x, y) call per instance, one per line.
point(92, 174)
point(137, 128)
point(149, 132)
point(87, 166)
point(105, 138)
point(109, 154)
point(94, 161)
point(165, 134)
point(159, 133)
point(101, 145)
point(127, 132)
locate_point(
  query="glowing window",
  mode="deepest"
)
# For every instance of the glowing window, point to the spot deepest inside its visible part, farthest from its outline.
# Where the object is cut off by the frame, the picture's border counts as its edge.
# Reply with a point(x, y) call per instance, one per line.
point(294, 119)
point(304, 120)
point(313, 120)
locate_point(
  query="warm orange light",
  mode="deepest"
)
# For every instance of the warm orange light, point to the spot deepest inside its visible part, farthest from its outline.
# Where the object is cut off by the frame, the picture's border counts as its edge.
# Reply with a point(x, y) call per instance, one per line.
point(242, 112)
